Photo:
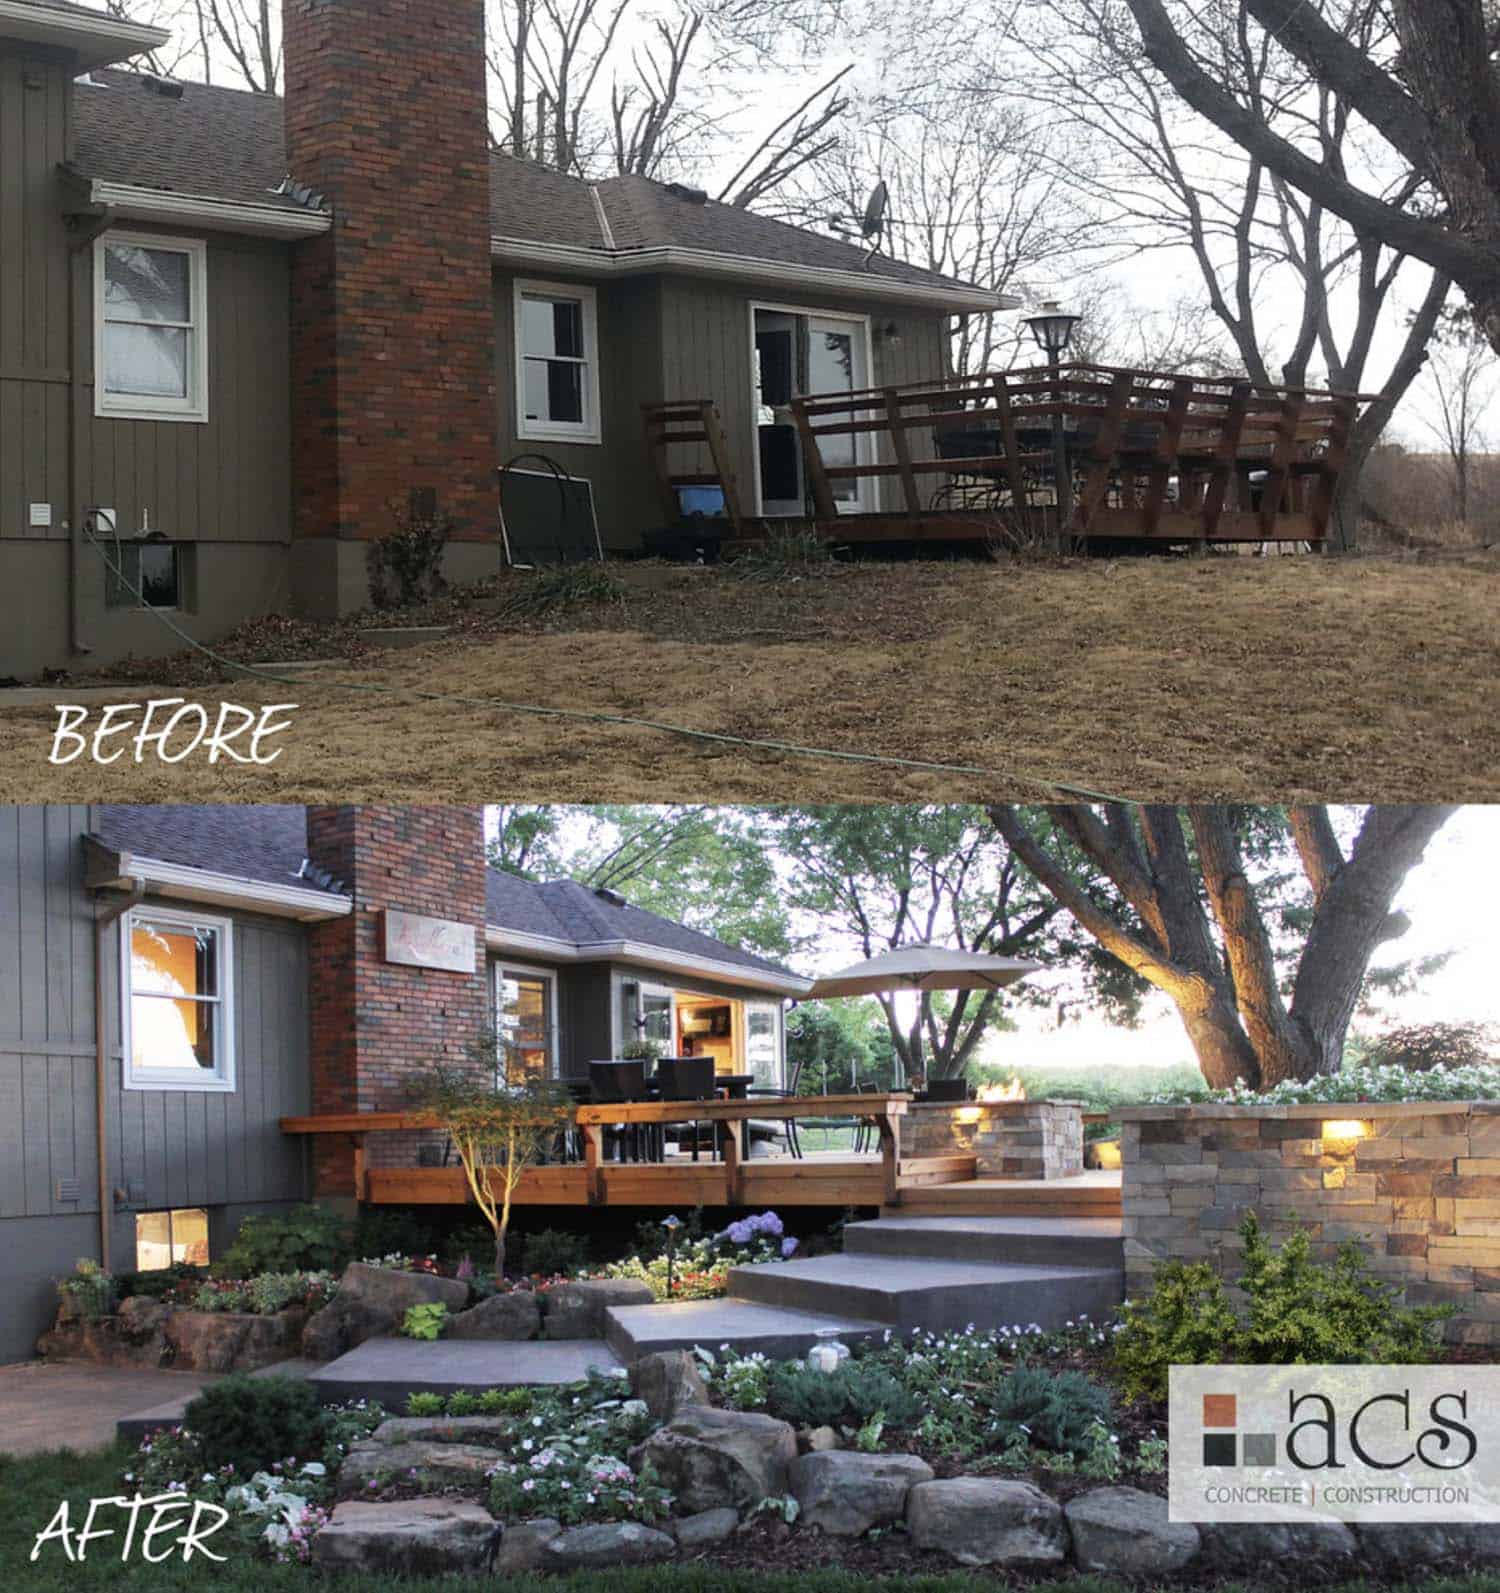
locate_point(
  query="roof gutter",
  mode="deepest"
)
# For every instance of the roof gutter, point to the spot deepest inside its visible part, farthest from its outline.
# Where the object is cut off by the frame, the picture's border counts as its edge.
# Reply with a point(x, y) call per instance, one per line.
point(744, 268)
point(130, 202)
point(110, 870)
point(686, 963)
point(94, 40)
point(105, 916)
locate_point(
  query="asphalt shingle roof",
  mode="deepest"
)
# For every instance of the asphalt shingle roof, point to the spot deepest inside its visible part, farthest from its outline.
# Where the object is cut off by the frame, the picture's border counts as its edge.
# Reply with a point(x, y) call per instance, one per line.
point(260, 843)
point(228, 144)
point(268, 843)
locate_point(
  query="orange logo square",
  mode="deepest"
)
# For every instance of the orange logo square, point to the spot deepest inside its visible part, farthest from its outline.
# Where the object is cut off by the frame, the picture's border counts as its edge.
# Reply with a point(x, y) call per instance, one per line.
point(1219, 1410)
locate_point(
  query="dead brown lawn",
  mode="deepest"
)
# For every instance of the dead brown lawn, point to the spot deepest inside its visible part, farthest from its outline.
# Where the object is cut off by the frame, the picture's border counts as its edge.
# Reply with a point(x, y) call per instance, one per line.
point(1219, 678)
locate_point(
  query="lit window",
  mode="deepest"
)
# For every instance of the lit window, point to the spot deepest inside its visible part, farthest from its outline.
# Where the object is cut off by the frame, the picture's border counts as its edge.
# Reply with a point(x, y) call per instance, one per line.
point(523, 1013)
point(557, 371)
point(171, 1238)
point(150, 350)
point(177, 990)
point(152, 569)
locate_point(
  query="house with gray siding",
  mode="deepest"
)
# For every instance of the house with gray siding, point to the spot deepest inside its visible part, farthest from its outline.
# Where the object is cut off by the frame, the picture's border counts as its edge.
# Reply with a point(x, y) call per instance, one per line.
point(238, 335)
point(176, 980)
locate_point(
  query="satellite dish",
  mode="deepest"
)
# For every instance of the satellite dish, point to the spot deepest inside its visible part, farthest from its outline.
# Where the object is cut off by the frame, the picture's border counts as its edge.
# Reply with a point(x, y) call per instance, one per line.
point(872, 223)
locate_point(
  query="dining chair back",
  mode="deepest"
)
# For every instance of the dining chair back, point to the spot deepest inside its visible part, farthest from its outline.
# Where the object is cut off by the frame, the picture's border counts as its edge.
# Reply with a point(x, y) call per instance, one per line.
point(614, 1082)
point(686, 1078)
point(947, 1089)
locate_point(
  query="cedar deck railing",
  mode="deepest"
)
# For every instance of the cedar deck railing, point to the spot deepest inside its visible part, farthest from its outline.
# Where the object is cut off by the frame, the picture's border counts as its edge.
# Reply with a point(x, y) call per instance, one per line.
point(730, 1180)
point(1152, 455)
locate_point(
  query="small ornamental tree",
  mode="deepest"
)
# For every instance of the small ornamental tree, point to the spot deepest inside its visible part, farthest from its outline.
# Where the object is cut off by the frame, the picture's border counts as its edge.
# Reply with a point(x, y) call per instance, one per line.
point(499, 1128)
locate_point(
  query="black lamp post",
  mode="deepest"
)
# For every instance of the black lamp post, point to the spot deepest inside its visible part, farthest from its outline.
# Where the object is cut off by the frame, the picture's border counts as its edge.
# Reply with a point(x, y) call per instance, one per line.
point(671, 1224)
point(1052, 327)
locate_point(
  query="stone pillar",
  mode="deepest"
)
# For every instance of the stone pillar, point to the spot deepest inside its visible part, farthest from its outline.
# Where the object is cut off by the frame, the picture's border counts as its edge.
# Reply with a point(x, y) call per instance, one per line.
point(1009, 1139)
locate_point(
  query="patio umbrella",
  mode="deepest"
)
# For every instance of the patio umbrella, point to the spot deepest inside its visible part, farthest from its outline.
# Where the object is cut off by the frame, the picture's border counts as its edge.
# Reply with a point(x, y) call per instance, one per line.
point(924, 967)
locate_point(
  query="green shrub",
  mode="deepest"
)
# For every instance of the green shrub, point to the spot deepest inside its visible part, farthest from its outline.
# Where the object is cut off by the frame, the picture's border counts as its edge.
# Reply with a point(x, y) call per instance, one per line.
point(1299, 1312)
point(425, 1321)
point(506, 1402)
point(424, 1404)
point(160, 1282)
point(251, 1423)
point(89, 1291)
point(848, 1396)
point(1056, 1411)
point(390, 1230)
point(1186, 1320)
point(306, 1239)
point(554, 1252)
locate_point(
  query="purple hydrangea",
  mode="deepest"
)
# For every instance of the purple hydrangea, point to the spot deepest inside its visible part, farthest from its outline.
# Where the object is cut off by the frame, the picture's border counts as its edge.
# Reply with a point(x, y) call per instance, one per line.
point(740, 1233)
point(788, 1249)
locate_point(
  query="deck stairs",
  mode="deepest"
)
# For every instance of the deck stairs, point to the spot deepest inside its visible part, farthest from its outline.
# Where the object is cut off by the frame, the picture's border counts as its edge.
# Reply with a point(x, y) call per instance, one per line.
point(902, 1274)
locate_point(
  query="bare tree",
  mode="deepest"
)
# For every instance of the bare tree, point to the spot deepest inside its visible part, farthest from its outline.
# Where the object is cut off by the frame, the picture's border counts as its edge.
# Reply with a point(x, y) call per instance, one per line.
point(1163, 179)
point(1187, 918)
point(1430, 91)
point(1462, 380)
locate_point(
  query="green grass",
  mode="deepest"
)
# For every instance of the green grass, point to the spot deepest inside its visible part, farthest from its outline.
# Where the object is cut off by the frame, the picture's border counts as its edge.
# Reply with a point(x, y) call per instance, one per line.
point(1100, 1089)
point(31, 1490)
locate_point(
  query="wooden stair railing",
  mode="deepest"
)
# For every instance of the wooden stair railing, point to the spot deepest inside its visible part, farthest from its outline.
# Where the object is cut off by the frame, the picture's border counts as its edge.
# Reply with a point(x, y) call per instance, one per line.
point(690, 422)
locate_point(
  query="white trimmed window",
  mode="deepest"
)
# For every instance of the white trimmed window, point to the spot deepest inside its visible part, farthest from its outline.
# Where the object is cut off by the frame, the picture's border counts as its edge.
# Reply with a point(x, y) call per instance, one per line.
point(557, 362)
point(525, 1022)
point(177, 1000)
point(150, 327)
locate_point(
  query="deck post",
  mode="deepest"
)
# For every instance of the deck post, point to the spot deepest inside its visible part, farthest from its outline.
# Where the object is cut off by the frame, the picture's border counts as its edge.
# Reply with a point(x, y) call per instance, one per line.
point(824, 506)
point(1320, 510)
point(718, 447)
point(1014, 474)
point(1225, 455)
point(1167, 448)
point(361, 1175)
point(734, 1178)
point(593, 1161)
point(1102, 456)
point(901, 447)
point(889, 1128)
point(1283, 452)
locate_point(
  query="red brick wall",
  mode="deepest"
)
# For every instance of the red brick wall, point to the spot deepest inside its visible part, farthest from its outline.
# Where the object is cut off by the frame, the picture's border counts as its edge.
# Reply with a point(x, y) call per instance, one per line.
point(392, 315)
point(375, 1023)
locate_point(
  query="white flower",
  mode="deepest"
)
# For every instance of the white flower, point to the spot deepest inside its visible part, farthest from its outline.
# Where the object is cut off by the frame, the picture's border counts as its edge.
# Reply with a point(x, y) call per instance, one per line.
point(316, 1468)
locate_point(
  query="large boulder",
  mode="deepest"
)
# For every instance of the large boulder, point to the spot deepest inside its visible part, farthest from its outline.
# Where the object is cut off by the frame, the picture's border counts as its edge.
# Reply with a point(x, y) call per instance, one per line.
point(606, 1545)
point(576, 1310)
point(413, 1537)
point(370, 1303)
point(846, 1493)
point(716, 1459)
point(430, 1465)
point(524, 1546)
point(494, 1432)
point(134, 1336)
point(978, 1521)
point(705, 1528)
point(513, 1317)
point(669, 1381)
point(1125, 1532)
point(232, 1341)
point(1243, 1545)
point(1405, 1547)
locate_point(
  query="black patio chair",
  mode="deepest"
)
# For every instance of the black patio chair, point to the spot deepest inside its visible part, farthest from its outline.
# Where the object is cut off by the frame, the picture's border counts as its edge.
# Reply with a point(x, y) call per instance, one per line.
point(687, 1078)
point(618, 1084)
point(777, 1128)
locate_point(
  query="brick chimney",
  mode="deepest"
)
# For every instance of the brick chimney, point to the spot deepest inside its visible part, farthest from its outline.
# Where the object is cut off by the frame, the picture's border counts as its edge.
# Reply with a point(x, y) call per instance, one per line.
point(393, 336)
point(374, 1021)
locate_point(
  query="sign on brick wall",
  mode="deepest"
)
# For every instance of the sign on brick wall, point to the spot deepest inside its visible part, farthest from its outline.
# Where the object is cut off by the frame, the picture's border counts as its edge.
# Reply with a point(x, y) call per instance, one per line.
point(419, 942)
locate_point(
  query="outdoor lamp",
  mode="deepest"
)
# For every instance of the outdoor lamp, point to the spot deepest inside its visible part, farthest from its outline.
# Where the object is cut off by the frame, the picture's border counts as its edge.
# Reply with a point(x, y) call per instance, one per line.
point(1052, 327)
point(827, 1355)
point(671, 1224)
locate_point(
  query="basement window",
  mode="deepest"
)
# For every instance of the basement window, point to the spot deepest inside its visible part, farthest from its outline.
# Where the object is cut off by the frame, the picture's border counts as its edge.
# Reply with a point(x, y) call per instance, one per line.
point(150, 328)
point(557, 362)
point(154, 569)
point(177, 1000)
point(171, 1238)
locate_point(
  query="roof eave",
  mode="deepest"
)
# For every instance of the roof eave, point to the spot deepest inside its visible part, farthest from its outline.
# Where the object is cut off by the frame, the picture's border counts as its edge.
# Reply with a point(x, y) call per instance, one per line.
point(957, 298)
point(112, 869)
point(131, 202)
point(94, 41)
point(686, 964)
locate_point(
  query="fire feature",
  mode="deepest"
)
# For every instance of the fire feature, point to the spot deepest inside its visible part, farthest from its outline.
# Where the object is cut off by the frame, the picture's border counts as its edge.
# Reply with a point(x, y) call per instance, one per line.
point(1011, 1090)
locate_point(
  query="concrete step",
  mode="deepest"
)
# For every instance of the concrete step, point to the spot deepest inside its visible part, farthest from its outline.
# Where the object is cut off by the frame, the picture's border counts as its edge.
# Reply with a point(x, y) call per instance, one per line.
point(636, 1330)
point(1044, 1241)
point(909, 1293)
point(136, 1426)
point(389, 1370)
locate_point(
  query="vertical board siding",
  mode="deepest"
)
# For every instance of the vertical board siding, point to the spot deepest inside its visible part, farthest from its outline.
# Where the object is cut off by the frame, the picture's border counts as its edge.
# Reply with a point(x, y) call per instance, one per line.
point(46, 1013)
point(169, 1147)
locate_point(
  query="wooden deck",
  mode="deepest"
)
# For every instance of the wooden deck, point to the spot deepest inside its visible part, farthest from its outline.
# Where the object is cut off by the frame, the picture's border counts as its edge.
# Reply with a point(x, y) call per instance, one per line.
point(1154, 456)
point(884, 1179)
